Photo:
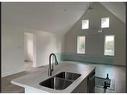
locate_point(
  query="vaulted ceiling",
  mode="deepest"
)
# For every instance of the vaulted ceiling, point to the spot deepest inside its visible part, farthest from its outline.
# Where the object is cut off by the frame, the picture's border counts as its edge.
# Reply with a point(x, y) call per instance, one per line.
point(116, 8)
point(50, 17)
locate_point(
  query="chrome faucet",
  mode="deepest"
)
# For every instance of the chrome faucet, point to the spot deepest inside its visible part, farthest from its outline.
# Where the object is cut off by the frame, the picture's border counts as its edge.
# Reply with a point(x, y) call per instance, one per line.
point(50, 70)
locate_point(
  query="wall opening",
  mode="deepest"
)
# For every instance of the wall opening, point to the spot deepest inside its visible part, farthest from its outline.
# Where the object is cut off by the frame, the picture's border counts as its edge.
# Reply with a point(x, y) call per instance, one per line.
point(29, 51)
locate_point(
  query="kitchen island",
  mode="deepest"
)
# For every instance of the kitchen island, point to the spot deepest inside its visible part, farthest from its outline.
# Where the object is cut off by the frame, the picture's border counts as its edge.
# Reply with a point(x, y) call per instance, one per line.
point(82, 84)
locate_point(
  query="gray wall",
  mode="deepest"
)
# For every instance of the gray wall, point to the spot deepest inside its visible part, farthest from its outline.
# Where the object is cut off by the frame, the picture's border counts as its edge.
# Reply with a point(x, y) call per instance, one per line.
point(94, 39)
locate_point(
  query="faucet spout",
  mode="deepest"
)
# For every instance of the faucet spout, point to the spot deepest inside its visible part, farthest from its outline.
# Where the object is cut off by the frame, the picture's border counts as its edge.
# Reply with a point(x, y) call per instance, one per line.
point(50, 70)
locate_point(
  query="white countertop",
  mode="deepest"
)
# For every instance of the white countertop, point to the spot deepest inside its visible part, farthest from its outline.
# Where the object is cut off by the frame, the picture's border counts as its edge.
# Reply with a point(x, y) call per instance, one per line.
point(32, 80)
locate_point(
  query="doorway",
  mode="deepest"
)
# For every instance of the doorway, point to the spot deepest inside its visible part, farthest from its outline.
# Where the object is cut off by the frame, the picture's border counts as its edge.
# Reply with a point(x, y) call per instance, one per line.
point(29, 51)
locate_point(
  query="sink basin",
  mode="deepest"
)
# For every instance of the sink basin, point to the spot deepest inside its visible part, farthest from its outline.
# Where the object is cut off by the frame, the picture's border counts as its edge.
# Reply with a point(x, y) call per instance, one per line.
point(56, 83)
point(60, 81)
point(68, 75)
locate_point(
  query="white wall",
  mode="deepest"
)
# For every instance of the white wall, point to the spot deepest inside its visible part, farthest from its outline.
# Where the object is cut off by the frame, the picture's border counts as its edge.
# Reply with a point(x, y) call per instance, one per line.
point(12, 46)
point(12, 50)
point(47, 43)
point(13, 28)
point(95, 40)
point(28, 47)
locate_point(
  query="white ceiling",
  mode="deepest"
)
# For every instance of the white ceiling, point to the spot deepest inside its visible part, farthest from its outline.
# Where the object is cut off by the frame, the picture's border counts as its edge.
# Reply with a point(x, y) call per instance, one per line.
point(50, 17)
point(117, 8)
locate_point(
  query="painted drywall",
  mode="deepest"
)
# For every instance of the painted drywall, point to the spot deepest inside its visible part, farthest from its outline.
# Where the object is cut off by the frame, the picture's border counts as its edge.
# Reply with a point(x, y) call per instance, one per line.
point(94, 39)
point(50, 17)
point(28, 47)
point(47, 43)
point(12, 46)
point(13, 40)
point(117, 8)
point(12, 50)
point(18, 18)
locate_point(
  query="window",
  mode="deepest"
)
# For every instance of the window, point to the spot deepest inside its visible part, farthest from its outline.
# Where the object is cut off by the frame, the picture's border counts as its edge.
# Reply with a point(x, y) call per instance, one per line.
point(109, 45)
point(85, 24)
point(81, 44)
point(105, 22)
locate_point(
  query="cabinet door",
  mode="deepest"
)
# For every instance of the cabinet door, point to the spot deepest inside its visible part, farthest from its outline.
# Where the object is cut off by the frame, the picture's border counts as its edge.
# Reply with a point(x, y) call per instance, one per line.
point(91, 85)
point(91, 82)
point(81, 88)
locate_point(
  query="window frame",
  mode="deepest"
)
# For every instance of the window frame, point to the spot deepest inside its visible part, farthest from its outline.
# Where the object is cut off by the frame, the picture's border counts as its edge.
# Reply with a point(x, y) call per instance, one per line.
point(105, 45)
point(108, 22)
point(88, 24)
point(77, 45)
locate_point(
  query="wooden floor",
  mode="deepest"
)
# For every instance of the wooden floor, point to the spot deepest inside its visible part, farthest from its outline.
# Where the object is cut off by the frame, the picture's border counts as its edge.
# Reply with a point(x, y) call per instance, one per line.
point(117, 73)
point(8, 87)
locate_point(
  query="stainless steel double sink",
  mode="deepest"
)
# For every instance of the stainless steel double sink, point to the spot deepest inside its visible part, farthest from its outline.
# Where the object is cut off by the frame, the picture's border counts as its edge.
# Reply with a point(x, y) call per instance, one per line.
point(60, 81)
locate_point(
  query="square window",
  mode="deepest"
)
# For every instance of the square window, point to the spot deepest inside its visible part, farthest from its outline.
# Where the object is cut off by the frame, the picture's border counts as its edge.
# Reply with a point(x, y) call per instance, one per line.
point(85, 24)
point(105, 22)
